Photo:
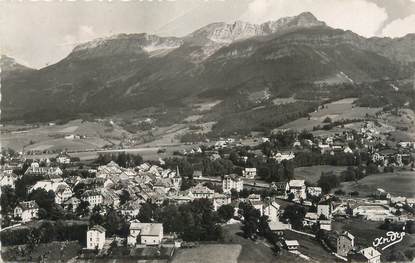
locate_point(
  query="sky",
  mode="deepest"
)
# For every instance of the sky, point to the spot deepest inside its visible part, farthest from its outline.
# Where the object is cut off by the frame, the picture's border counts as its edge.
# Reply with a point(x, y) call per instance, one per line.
point(39, 33)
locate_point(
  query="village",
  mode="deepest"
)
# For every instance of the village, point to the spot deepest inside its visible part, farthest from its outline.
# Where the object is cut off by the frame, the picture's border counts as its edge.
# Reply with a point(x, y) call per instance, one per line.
point(127, 207)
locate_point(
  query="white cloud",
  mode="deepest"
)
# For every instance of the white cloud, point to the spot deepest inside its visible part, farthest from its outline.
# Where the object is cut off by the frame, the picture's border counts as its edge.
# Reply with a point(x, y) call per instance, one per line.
point(85, 33)
point(360, 16)
point(400, 27)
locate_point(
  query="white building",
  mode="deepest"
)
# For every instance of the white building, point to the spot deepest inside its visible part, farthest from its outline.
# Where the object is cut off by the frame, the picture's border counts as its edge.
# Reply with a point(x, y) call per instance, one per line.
point(347, 149)
point(61, 189)
point(325, 209)
point(271, 209)
point(220, 200)
point(26, 210)
point(8, 178)
point(95, 237)
point(278, 227)
point(345, 243)
point(254, 197)
point(63, 158)
point(110, 169)
point(232, 181)
point(281, 188)
point(292, 245)
point(373, 212)
point(93, 197)
point(131, 208)
point(201, 191)
point(371, 255)
point(310, 219)
point(298, 188)
point(72, 203)
point(62, 193)
point(314, 191)
point(249, 173)
point(149, 234)
point(279, 157)
point(35, 169)
point(325, 224)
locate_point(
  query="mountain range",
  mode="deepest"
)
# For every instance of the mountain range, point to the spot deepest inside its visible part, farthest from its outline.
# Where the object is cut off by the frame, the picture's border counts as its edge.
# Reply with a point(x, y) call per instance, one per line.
point(219, 61)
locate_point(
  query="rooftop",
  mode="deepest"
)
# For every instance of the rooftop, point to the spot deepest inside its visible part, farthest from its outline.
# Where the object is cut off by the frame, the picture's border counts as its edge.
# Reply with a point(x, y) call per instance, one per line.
point(97, 228)
point(148, 229)
point(292, 243)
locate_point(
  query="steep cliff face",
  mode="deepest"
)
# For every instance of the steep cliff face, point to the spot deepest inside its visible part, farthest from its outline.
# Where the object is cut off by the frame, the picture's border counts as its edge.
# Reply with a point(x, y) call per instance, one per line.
point(212, 37)
point(134, 71)
point(228, 33)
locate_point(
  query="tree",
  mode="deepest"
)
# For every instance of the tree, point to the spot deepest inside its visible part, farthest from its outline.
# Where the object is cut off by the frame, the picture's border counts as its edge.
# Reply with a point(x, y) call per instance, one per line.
point(113, 222)
point(327, 120)
point(372, 169)
point(328, 182)
point(82, 209)
point(79, 189)
point(251, 220)
point(96, 217)
point(146, 213)
point(226, 212)
point(44, 199)
point(295, 214)
point(290, 196)
point(124, 197)
point(23, 184)
point(8, 200)
point(113, 246)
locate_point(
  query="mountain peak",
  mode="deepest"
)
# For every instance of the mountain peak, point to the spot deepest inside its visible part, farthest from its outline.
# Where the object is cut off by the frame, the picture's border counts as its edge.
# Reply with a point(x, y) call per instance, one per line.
point(308, 16)
point(307, 19)
point(8, 64)
point(227, 33)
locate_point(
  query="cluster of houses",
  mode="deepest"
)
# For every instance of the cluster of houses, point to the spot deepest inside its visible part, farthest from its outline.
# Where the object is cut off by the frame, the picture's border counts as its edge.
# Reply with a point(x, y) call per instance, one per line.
point(149, 182)
point(140, 234)
point(346, 248)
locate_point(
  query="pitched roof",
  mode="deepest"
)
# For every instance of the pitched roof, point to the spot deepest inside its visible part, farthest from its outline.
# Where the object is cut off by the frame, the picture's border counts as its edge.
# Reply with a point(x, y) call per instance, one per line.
point(277, 226)
point(148, 229)
point(296, 183)
point(97, 228)
point(201, 189)
point(348, 235)
point(280, 185)
point(292, 243)
point(370, 252)
point(234, 177)
point(88, 193)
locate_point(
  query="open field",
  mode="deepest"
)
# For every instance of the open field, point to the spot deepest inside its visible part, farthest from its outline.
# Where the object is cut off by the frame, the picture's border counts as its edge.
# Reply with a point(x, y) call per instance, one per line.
point(397, 183)
point(148, 153)
point(282, 101)
point(255, 251)
point(366, 232)
point(98, 135)
point(310, 247)
point(215, 253)
point(337, 110)
point(312, 173)
point(46, 137)
point(52, 252)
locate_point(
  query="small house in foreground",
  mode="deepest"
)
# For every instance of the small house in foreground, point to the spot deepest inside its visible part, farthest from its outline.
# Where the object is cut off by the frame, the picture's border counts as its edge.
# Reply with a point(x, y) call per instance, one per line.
point(95, 237)
point(26, 210)
point(292, 245)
